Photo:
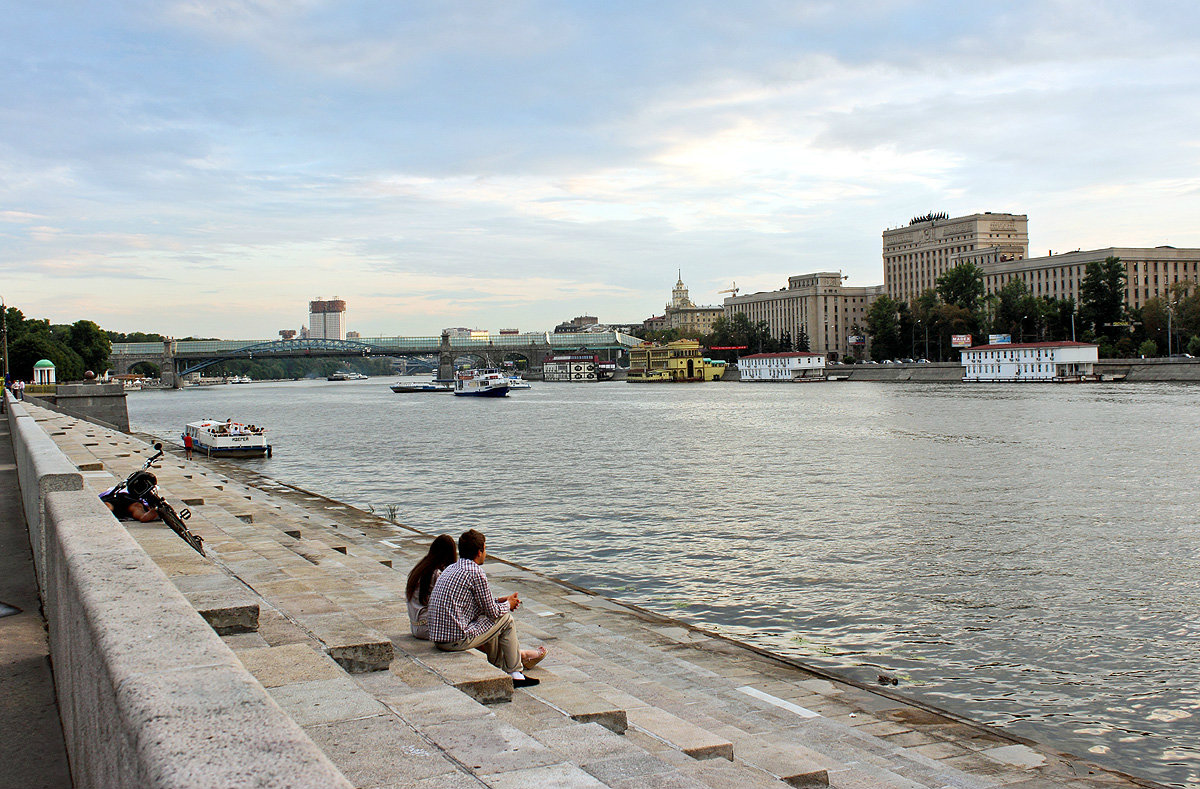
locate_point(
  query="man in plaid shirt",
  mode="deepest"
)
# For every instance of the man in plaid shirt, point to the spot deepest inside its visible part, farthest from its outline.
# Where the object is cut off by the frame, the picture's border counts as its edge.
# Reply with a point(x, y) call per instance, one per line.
point(463, 614)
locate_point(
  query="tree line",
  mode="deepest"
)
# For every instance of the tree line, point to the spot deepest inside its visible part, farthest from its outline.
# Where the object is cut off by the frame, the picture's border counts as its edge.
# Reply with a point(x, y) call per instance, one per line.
point(83, 346)
point(958, 305)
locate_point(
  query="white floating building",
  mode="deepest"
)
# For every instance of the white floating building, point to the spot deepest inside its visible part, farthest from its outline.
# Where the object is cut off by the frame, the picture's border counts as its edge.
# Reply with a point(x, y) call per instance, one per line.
point(793, 366)
point(1031, 361)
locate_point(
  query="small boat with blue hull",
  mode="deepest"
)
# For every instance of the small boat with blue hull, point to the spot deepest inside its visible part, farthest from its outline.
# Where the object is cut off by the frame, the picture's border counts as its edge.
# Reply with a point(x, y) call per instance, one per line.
point(228, 439)
point(481, 383)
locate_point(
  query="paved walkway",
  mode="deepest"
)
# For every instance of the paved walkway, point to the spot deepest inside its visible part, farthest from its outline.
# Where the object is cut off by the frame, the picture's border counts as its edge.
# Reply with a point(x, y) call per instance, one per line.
point(628, 699)
point(31, 739)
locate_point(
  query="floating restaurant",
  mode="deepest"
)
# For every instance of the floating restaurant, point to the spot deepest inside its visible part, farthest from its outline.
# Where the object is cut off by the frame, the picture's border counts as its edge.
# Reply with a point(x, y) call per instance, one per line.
point(1063, 361)
point(793, 366)
point(676, 362)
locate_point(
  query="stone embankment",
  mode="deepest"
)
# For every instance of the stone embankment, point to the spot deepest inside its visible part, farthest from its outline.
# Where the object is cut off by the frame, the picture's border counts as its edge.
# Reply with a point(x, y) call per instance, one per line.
point(314, 666)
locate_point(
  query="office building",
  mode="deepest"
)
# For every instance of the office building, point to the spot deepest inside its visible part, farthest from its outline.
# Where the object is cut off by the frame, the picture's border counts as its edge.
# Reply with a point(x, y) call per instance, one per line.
point(819, 304)
point(327, 319)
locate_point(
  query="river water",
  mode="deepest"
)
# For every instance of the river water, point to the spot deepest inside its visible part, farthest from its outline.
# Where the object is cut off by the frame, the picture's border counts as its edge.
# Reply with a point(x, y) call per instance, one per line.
point(1024, 555)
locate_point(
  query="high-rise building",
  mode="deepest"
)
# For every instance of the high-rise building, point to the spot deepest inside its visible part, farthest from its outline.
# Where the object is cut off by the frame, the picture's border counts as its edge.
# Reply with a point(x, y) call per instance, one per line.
point(915, 256)
point(817, 304)
point(327, 319)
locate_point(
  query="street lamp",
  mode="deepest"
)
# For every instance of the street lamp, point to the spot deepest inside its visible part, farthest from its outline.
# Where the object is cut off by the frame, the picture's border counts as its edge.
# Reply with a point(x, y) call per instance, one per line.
point(4, 333)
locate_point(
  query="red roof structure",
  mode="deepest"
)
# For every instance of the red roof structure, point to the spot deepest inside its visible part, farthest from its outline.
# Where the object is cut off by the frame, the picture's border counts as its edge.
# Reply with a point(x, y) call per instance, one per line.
point(1053, 344)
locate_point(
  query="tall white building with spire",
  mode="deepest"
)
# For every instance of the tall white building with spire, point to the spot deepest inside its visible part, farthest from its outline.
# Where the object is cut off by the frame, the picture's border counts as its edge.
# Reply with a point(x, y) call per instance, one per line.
point(683, 314)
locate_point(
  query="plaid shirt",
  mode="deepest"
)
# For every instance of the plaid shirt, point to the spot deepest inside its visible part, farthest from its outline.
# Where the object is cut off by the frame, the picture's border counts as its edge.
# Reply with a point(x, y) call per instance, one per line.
point(461, 605)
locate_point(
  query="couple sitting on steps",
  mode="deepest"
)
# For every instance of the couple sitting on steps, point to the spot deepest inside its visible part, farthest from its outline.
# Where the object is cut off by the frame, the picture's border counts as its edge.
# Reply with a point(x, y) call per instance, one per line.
point(450, 603)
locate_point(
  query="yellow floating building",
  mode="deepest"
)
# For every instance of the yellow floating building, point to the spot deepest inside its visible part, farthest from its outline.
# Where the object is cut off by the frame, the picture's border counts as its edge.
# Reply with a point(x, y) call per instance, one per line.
point(678, 361)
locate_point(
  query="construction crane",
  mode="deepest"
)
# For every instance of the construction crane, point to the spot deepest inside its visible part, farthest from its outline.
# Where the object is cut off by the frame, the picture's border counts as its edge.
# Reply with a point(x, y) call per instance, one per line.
point(733, 290)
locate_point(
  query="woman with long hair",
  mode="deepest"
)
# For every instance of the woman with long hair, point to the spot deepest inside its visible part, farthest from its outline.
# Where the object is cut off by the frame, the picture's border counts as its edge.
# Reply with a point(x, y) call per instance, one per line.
point(442, 554)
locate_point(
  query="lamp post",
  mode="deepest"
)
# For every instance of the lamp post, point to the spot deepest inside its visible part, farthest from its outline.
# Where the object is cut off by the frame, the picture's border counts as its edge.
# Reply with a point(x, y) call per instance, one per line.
point(4, 334)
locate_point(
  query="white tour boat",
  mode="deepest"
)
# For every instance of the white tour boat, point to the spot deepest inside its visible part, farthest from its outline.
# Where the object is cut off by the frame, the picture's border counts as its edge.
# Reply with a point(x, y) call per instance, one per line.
point(481, 383)
point(228, 439)
point(517, 382)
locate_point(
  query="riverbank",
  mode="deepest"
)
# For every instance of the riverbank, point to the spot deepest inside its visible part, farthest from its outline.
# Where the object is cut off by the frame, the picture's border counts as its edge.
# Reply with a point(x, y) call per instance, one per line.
point(697, 709)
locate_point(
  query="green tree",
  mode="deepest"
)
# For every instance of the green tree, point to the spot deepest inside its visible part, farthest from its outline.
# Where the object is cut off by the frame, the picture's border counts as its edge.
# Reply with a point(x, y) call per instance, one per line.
point(802, 343)
point(1193, 346)
point(35, 346)
point(883, 325)
point(1102, 295)
point(91, 343)
point(1148, 348)
point(962, 286)
point(1155, 319)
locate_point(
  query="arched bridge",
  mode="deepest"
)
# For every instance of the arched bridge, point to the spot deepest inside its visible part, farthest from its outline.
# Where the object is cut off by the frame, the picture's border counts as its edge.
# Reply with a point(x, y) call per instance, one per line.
point(178, 358)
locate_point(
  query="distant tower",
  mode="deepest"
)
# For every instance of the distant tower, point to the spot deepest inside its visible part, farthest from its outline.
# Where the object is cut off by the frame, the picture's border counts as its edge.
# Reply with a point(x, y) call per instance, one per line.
point(327, 319)
point(679, 296)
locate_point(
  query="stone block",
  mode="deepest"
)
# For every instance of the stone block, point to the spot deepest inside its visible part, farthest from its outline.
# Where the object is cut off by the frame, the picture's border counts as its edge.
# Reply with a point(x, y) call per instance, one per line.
point(678, 733)
point(560, 776)
point(325, 701)
point(380, 751)
point(580, 704)
point(213, 726)
point(288, 664)
point(356, 647)
point(791, 763)
point(468, 672)
point(226, 613)
point(490, 747)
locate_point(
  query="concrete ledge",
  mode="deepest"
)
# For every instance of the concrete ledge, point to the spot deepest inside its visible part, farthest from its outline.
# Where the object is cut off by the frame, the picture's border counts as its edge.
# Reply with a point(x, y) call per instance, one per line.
point(696, 742)
point(579, 703)
point(356, 647)
point(225, 613)
point(149, 695)
point(468, 672)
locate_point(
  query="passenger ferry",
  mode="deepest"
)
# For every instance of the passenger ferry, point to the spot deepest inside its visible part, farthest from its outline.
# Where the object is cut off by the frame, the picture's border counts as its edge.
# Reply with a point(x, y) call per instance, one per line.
point(481, 383)
point(228, 439)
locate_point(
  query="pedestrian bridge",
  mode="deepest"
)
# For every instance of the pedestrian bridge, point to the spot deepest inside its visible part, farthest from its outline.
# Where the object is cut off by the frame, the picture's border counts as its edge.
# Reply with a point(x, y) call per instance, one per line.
point(180, 357)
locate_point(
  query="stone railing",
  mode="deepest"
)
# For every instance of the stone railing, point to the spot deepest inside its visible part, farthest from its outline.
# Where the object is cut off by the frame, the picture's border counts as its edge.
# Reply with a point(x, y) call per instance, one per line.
point(149, 695)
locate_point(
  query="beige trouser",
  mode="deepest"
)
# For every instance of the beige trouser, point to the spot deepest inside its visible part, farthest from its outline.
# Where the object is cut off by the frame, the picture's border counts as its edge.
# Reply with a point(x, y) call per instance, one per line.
point(498, 642)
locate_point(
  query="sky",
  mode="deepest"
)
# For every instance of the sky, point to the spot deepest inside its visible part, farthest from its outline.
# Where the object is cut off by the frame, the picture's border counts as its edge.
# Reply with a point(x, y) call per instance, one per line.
point(207, 167)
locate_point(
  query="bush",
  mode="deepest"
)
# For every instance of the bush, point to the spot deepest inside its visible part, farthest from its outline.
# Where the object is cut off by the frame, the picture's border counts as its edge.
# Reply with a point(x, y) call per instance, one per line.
point(1193, 346)
point(1148, 349)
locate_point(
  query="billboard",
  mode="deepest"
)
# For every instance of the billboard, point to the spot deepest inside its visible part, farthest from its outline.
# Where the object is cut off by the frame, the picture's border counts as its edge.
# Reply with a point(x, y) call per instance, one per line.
point(856, 340)
point(999, 339)
point(960, 340)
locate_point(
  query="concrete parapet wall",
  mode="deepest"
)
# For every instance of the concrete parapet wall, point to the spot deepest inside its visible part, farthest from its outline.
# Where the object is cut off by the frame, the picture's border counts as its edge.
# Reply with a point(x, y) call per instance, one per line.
point(103, 404)
point(149, 695)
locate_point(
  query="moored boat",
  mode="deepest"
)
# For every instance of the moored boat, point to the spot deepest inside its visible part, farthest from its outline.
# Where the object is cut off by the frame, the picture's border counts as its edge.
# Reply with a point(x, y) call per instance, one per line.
point(517, 382)
point(481, 383)
point(228, 439)
point(425, 386)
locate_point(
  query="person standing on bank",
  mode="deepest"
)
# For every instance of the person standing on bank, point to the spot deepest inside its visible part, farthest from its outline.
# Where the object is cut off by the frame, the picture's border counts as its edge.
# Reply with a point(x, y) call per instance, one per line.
point(187, 446)
point(464, 615)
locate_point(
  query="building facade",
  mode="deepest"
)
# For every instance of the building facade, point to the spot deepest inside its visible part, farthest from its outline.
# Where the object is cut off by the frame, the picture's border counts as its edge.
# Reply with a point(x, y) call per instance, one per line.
point(1030, 361)
point(914, 256)
point(794, 366)
point(327, 319)
point(1150, 272)
point(678, 361)
point(817, 304)
point(683, 314)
